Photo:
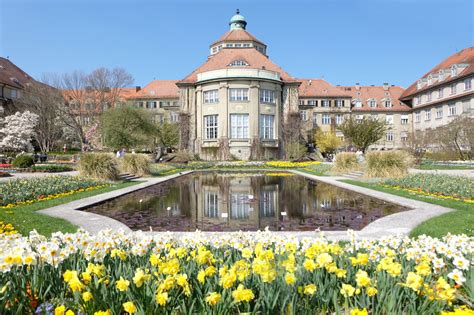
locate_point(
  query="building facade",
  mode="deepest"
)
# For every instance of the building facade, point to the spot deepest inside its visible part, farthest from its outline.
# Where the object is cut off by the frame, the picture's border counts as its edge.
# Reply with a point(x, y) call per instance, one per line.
point(444, 93)
point(13, 82)
point(238, 103)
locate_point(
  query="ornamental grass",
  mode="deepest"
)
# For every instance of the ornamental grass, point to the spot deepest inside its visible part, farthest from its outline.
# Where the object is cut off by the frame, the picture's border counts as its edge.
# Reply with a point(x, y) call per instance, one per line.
point(136, 164)
point(346, 162)
point(99, 166)
point(233, 273)
point(387, 164)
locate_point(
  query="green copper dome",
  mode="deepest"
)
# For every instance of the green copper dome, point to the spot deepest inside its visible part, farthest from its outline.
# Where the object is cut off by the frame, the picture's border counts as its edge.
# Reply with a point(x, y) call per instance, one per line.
point(237, 21)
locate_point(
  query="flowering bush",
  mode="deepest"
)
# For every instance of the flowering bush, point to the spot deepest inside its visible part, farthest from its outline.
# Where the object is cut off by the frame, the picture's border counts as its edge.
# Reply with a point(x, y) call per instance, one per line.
point(436, 185)
point(231, 273)
point(30, 190)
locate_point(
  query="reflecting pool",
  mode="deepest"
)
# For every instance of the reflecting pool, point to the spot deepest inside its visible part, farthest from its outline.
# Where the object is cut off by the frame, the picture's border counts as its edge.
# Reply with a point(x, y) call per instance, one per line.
point(233, 201)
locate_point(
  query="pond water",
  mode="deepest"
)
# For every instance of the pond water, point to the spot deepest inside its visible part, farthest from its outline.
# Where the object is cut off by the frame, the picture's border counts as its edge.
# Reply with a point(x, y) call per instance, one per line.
point(233, 201)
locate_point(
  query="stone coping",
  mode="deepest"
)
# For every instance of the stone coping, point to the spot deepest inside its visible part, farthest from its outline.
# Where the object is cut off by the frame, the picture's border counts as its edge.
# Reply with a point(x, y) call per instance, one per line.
point(93, 222)
point(400, 223)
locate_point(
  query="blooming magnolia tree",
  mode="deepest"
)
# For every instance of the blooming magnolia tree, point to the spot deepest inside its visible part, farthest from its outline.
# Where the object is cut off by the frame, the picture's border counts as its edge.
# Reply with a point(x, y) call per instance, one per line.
point(17, 132)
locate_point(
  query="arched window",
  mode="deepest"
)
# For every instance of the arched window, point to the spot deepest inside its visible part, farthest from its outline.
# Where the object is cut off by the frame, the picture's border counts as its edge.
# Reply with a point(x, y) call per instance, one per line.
point(238, 63)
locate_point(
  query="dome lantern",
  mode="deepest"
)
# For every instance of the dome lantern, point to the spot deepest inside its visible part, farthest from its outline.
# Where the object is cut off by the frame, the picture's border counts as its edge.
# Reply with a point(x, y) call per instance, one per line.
point(237, 22)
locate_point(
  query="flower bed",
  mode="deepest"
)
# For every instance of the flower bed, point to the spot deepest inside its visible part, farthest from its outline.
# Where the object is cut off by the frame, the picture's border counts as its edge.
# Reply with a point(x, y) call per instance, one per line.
point(27, 191)
point(436, 185)
point(7, 229)
point(5, 165)
point(233, 273)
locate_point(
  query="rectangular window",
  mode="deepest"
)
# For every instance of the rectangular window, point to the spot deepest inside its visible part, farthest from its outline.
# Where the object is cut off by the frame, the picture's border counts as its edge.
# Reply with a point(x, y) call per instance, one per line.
point(452, 110)
point(151, 105)
point(404, 136)
point(238, 95)
point(239, 126)
point(267, 204)
point(453, 88)
point(339, 103)
point(339, 119)
point(211, 96)
point(315, 120)
point(373, 103)
point(404, 120)
point(440, 92)
point(267, 96)
point(312, 102)
point(211, 205)
point(14, 93)
point(390, 136)
point(210, 127)
point(417, 117)
point(359, 118)
point(428, 114)
point(388, 103)
point(358, 104)
point(301, 102)
point(429, 96)
point(389, 119)
point(439, 112)
point(239, 206)
point(325, 103)
point(326, 119)
point(304, 115)
point(267, 123)
point(174, 117)
point(468, 84)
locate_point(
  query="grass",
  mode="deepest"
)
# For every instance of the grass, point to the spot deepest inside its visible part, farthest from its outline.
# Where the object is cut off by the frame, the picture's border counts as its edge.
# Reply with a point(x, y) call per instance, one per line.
point(444, 167)
point(456, 222)
point(26, 219)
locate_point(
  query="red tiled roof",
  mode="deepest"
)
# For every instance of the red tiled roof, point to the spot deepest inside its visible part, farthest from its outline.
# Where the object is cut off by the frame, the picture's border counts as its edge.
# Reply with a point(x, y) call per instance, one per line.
point(237, 35)
point(127, 93)
point(465, 56)
point(158, 89)
point(364, 93)
point(13, 76)
point(254, 59)
point(319, 88)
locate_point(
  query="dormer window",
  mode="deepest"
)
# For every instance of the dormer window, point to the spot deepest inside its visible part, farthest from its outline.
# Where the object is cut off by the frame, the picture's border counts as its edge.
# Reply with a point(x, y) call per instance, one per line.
point(419, 84)
point(387, 103)
point(454, 70)
point(441, 75)
point(238, 63)
point(357, 103)
point(372, 103)
point(430, 79)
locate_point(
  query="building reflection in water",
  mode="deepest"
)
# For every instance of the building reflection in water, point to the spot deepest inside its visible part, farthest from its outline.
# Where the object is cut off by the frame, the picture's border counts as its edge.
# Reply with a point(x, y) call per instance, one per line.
point(213, 201)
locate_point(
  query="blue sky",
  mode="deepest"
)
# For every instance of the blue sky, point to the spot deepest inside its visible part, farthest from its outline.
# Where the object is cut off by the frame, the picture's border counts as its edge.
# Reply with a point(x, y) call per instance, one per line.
point(370, 42)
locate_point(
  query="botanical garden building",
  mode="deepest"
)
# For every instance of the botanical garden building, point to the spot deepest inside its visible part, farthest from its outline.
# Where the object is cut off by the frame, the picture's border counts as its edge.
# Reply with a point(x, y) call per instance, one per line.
point(240, 104)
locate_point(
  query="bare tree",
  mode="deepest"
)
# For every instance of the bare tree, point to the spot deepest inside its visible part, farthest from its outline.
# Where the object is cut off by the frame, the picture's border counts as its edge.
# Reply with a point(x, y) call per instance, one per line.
point(45, 101)
point(457, 137)
point(87, 96)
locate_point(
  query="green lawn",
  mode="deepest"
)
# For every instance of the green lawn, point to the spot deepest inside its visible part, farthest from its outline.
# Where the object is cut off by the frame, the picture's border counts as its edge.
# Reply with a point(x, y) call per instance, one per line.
point(25, 218)
point(444, 167)
point(456, 222)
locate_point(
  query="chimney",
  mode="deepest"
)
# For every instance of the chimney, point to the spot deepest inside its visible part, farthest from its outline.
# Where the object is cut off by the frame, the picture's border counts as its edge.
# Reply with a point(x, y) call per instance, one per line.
point(138, 88)
point(357, 87)
point(385, 86)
